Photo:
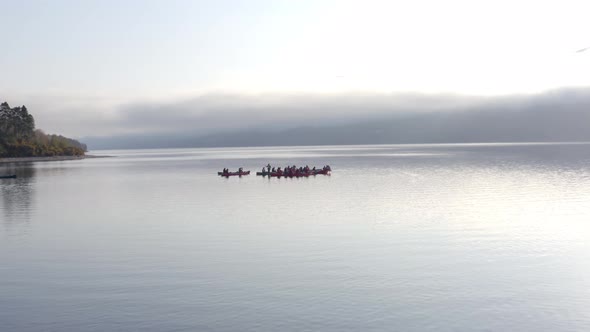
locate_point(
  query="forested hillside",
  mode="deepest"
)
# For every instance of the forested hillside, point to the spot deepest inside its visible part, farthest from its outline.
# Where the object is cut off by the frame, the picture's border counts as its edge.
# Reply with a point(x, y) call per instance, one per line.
point(19, 138)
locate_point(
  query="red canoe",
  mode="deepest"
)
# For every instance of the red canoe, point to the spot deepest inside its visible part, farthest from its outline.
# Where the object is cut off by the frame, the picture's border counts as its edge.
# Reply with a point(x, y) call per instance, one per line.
point(295, 174)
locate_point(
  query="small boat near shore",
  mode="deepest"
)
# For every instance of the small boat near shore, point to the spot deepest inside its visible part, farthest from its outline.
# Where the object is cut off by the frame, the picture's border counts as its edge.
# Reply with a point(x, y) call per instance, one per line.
point(13, 176)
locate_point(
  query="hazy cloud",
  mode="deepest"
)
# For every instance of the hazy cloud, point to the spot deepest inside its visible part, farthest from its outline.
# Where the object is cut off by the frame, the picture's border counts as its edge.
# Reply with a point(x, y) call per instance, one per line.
point(214, 119)
point(211, 113)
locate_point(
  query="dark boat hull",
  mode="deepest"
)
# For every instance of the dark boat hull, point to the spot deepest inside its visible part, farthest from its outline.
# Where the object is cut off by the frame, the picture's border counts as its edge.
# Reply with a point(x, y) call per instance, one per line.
point(233, 173)
point(8, 176)
point(294, 175)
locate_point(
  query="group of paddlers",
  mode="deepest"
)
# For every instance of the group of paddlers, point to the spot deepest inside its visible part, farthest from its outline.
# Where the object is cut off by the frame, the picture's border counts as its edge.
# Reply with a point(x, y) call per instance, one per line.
point(293, 170)
point(226, 170)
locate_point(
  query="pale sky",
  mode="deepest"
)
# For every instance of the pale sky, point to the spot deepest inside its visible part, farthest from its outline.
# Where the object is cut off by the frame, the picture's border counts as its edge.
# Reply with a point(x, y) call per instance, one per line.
point(98, 55)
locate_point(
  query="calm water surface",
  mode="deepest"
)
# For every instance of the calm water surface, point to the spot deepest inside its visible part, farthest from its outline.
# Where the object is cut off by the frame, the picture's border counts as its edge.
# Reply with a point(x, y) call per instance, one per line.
point(407, 238)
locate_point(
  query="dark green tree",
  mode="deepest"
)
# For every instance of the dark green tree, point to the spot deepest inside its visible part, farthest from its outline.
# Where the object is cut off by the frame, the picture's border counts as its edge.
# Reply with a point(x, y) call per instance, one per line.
point(18, 137)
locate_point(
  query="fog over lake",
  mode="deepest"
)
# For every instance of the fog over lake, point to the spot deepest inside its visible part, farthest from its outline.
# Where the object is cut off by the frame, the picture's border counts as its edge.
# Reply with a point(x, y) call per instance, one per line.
point(238, 120)
point(457, 132)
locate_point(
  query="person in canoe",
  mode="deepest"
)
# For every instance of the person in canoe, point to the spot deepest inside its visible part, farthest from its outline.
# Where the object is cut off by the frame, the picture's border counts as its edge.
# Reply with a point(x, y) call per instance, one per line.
point(240, 170)
point(268, 167)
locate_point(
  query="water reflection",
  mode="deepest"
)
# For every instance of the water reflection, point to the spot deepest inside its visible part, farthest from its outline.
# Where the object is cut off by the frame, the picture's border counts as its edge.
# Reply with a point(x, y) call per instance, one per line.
point(17, 197)
point(458, 238)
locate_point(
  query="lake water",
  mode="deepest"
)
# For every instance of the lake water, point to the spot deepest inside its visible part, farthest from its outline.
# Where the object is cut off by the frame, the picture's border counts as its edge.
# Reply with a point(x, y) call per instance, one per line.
point(478, 237)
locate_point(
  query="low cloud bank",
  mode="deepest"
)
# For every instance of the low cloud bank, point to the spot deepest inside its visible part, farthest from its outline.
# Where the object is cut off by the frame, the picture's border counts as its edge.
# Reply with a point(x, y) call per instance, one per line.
point(232, 120)
point(211, 113)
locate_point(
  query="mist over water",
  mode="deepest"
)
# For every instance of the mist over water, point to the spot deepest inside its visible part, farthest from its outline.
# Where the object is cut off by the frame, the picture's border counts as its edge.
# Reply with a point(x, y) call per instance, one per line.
point(235, 120)
point(400, 237)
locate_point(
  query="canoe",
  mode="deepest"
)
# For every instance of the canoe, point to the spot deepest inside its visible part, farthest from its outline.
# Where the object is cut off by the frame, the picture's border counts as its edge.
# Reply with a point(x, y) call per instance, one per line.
point(269, 174)
point(8, 176)
point(291, 175)
point(295, 175)
point(233, 173)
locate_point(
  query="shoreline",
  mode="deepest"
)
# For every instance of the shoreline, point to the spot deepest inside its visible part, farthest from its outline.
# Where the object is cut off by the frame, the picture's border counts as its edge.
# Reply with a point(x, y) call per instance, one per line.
point(52, 158)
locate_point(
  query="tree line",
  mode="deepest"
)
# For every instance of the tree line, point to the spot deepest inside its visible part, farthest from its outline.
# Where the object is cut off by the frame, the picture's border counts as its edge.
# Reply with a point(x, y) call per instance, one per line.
point(19, 138)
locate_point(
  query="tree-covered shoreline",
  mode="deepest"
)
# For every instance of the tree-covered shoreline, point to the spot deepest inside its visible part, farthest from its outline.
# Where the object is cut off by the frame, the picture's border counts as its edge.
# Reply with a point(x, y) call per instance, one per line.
point(19, 138)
